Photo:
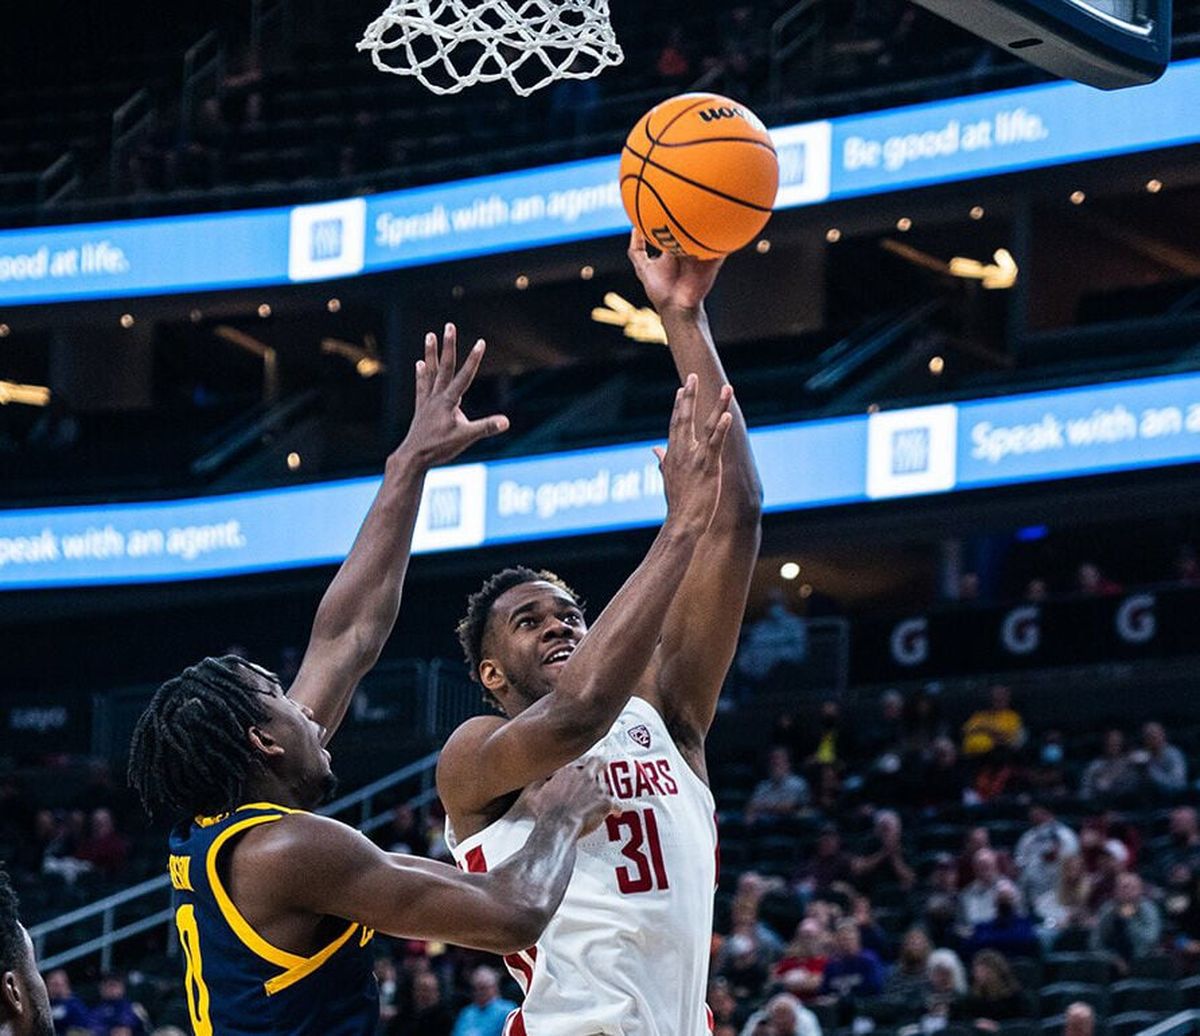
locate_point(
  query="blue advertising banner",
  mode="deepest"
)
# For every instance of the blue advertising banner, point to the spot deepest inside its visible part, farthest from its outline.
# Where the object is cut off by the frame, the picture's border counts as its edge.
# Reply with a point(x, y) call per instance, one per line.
point(1124, 426)
point(836, 159)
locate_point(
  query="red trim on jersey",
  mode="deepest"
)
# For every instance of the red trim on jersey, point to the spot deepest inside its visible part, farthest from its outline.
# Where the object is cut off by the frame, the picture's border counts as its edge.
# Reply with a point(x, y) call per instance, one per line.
point(475, 860)
point(515, 1025)
point(520, 968)
point(712, 1022)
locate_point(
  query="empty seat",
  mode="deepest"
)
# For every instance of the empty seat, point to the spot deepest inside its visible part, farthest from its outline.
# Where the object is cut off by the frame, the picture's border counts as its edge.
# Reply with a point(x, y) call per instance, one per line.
point(1078, 967)
point(1140, 994)
point(1132, 1022)
point(1072, 940)
point(1019, 1027)
point(1189, 989)
point(1029, 972)
point(1156, 965)
point(1058, 996)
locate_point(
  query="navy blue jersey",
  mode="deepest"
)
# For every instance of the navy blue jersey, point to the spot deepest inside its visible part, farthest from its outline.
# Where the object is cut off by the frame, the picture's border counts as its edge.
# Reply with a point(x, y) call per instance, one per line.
point(237, 983)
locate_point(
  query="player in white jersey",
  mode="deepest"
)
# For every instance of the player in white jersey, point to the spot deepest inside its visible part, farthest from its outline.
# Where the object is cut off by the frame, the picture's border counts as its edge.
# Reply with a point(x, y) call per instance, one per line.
point(627, 952)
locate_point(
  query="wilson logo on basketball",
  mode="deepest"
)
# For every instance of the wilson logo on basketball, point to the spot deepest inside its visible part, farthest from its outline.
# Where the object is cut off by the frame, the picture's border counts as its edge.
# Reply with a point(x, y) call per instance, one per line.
point(665, 240)
point(640, 734)
point(713, 114)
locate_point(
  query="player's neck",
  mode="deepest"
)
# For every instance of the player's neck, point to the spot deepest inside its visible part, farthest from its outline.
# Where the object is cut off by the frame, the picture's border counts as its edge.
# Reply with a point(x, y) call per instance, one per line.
point(270, 788)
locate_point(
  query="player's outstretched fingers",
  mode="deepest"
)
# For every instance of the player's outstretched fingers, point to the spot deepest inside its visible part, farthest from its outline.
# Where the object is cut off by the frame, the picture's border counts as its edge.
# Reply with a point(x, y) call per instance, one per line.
point(449, 358)
point(431, 356)
point(484, 428)
point(716, 441)
point(463, 379)
point(724, 399)
point(683, 428)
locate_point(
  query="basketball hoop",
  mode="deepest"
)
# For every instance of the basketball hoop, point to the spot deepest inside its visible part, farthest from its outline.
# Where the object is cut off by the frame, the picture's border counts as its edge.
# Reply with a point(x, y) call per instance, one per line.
point(452, 44)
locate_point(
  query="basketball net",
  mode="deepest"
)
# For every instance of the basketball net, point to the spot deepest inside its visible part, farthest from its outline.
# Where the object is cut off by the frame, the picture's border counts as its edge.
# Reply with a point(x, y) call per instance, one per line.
point(452, 44)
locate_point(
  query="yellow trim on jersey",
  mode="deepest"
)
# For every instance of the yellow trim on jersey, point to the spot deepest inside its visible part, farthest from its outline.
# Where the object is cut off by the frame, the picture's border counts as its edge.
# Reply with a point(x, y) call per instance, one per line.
point(307, 967)
point(241, 927)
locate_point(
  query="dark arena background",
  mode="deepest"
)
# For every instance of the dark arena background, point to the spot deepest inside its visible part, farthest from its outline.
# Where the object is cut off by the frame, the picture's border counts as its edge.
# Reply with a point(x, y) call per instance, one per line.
point(963, 712)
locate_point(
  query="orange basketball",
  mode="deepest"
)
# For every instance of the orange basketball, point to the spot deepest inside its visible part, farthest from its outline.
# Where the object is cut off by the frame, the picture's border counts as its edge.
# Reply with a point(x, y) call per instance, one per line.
point(699, 175)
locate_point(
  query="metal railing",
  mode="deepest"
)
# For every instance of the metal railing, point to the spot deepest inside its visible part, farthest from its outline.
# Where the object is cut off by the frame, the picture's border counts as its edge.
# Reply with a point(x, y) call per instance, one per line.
point(130, 123)
point(106, 909)
point(203, 69)
point(796, 29)
point(59, 180)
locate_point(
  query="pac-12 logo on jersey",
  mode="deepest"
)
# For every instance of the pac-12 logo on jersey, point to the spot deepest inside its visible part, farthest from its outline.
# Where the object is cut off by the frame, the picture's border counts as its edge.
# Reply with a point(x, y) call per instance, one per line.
point(640, 734)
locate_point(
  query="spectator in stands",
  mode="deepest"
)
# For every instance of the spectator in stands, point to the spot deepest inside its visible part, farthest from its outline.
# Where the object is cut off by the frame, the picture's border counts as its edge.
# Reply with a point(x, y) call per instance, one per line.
point(1184, 832)
point(116, 1014)
point(941, 899)
point(724, 1006)
point(923, 721)
point(60, 837)
point(947, 982)
point(1036, 590)
point(996, 994)
point(977, 902)
point(24, 1003)
point(1129, 926)
point(105, 848)
point(886, 865)
point(404, 833)
point(852, 972)
point(785, 1016)
point(1162, 768)
point(834, 745)
point(1046, 776)
point(941, 779)
point(980, 838)
point(801, 969)
point(1066, 905)
point(827, 794)
point(997, 726)
point(1041, 850)
point(870, 932)
point(389, 989)
point(1111, 863)
point(1187, 566)
point(779, 638)
point(1110, 775)
point(997, 776)
point(908, 982)
point(827, 866)
point(886, 734)
point(427, 1013)
point(70, 1014)
point(673, 64)
point(1079, 1020)
point(486, 1013)
point(783, 794)
point(1091, 581)
point(751, 947)
point(1010, 932)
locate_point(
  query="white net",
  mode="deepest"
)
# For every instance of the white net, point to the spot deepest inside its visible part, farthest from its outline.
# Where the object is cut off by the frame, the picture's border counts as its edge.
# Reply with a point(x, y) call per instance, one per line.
point(452, 44)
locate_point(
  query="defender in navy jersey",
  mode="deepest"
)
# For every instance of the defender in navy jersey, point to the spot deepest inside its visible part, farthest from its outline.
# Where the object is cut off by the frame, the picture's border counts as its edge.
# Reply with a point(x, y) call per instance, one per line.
point(276, 906)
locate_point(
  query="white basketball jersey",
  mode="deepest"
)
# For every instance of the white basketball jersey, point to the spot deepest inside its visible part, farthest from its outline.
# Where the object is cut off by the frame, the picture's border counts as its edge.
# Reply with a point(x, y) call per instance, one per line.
point(627, 952)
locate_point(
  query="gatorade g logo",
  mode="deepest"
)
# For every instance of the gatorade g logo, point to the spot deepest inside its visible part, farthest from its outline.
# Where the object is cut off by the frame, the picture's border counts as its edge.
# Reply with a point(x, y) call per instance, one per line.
point(665, 240)
point(1136, 623)
point(1021, 631)
point(713, 114)
point(910, 642)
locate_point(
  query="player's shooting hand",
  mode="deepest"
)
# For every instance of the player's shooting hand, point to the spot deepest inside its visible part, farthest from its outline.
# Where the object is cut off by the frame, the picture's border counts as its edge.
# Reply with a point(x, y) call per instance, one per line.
point(578, 791)
point(691, 463)
point(440, 431)
point(678, 283)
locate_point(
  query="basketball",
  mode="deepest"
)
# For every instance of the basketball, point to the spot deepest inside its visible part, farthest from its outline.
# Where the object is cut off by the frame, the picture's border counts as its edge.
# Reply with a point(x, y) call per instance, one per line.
point(699, 175)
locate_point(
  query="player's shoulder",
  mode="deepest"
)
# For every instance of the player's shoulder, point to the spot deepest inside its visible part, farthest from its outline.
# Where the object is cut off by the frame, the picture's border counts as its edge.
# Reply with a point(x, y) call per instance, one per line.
point(468, 739)
point(292, 841)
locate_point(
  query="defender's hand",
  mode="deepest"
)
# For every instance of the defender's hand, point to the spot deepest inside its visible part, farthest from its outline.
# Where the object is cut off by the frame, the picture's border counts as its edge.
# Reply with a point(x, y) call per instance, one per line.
point(691, 465)
point(440, 431)
point(578, 791)
point(672, 282)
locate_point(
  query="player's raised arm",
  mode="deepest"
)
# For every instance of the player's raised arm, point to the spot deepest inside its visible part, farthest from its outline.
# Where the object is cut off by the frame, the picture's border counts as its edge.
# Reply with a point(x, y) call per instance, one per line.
point(501, 911)
point(699, 634)
point(359, 609)
point(489, 757)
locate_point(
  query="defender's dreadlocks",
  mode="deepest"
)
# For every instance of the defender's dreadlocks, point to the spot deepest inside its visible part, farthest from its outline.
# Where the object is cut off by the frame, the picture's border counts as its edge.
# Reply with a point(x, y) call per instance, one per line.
point(471, 626)
point(12, 942)
point(190, 754)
